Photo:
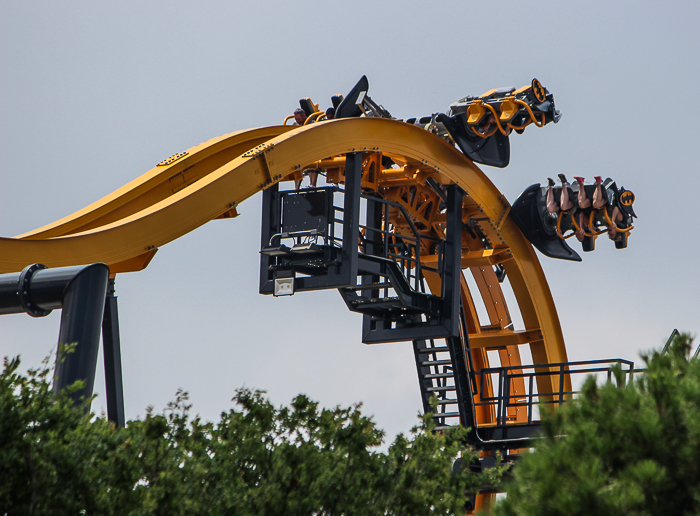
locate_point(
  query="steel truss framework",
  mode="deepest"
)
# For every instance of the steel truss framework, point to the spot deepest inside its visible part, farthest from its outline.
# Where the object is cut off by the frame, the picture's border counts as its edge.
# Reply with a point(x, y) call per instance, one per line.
point(416, 230)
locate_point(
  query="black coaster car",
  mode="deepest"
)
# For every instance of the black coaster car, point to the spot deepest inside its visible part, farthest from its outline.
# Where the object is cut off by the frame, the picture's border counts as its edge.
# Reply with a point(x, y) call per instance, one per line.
point(529, 211)
point(480, 126)
point(548, 231)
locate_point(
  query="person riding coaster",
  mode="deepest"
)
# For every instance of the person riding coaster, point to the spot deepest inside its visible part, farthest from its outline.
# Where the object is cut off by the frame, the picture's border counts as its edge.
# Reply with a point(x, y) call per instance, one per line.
point(596, 209)
point(479, 126)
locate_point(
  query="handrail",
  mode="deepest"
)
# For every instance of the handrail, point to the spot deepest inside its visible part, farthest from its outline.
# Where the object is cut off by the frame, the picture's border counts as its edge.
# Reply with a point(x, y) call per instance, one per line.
point(502, 399)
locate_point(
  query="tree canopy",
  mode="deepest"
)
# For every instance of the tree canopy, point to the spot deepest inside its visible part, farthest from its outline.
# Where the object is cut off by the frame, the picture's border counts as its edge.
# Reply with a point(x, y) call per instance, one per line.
point(258, 459)
point(619, 451)
point(613, 451)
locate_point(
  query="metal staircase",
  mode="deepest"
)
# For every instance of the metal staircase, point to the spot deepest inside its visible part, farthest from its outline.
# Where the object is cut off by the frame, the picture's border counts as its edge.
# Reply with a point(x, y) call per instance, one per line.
point(436, 379)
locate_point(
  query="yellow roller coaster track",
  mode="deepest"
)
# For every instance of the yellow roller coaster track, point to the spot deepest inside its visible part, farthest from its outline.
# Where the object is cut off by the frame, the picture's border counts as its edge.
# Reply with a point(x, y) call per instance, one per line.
point(127, 227)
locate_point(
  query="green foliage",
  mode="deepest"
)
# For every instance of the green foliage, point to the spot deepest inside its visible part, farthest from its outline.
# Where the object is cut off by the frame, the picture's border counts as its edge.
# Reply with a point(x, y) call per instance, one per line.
point(258, 459)
point(632, 450)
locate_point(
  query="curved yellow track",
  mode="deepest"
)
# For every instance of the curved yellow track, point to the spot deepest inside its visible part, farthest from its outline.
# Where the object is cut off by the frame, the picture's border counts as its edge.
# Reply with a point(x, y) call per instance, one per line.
point(125, 228)
point(158, 183)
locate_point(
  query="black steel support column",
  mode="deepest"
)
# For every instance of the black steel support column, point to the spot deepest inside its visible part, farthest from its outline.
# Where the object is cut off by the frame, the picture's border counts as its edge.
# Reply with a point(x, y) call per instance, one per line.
point(373, 235)
point(35, 291)
point(374, 242)
point(81, 319)
point(451, 292)
point(113, 359)
point(271, 217)
point(351, 216)
point(465, 396)
point(463, 368)
point(453, 260)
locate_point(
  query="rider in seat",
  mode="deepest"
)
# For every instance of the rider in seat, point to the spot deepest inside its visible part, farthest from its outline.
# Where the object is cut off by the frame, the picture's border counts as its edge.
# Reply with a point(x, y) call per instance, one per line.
point(591, 210)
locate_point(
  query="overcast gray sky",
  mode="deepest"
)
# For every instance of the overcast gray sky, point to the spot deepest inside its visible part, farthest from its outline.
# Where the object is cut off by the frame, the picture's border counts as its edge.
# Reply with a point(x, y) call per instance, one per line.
point(93, 95)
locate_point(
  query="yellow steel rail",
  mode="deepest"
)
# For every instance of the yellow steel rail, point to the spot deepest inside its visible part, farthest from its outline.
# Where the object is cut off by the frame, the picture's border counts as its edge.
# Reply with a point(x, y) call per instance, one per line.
point(159, 183)
point(125, 228)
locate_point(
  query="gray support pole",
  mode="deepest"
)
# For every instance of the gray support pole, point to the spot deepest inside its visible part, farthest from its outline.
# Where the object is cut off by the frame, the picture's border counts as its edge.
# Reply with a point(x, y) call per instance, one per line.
point(81, 320)
point(113, 358)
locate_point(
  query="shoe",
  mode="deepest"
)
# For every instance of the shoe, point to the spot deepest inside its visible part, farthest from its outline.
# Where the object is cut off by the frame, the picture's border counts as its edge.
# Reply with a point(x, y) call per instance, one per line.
point(598, 179)
point(550, 181)
point(562, 178)
point(579, 179)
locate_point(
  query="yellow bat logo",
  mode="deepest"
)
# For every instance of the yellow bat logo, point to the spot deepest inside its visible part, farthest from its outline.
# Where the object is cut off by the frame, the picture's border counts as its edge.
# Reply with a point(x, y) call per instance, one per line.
point(627, 198)
point(538, 90)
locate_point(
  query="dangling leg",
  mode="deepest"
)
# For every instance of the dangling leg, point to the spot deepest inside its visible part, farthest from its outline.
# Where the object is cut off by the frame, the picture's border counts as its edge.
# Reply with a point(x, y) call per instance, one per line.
point(616, 217)
point(582, 222)
point(599, 199)
point(583, 200)
point(565, 203)
point(313, 178)
point(552, 206)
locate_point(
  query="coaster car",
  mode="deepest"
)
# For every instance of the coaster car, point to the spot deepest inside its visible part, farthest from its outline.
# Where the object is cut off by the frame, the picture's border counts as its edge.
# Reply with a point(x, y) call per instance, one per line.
point(479, 126)
point(548, 231)
point(529, 211)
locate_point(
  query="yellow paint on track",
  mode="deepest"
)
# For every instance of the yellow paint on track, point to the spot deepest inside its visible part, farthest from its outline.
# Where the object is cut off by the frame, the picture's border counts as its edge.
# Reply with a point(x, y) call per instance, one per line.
point(125, 228)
